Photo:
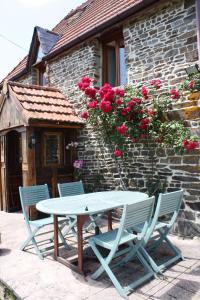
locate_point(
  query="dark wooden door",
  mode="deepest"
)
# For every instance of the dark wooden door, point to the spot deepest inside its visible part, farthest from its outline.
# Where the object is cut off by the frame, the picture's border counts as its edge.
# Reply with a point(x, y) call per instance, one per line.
point(14, 170)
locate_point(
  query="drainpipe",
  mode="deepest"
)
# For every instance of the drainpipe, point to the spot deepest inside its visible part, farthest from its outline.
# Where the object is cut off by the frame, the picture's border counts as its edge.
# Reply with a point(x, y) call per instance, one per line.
point(198, 26)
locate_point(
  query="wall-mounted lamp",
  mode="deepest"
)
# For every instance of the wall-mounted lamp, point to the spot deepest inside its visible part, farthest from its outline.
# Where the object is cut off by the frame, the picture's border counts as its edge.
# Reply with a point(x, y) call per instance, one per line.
point(32, 142)
point(192, 70)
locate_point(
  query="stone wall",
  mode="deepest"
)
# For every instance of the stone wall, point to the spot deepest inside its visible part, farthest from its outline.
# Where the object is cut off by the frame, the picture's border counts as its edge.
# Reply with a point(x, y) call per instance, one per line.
point(161, 42)
point(27, 79)
point(64, 73)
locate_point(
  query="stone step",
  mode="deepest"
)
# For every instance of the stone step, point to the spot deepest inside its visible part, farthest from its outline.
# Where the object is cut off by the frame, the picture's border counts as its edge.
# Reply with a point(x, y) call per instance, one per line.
point(187, 103)
point(186, 113)
point(194, 96)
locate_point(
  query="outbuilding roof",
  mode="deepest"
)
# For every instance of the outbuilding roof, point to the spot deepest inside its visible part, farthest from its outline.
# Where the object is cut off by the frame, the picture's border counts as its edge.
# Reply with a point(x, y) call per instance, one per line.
point(42, 104)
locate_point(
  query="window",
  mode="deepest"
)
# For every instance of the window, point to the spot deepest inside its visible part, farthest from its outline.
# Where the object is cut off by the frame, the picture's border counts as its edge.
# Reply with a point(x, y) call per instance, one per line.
point(114, 68)
point(41, 79)
point(52, 148)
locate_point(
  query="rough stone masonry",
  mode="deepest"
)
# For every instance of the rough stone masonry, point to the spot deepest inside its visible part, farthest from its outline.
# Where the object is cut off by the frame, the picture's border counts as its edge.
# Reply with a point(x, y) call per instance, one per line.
point(159, 43)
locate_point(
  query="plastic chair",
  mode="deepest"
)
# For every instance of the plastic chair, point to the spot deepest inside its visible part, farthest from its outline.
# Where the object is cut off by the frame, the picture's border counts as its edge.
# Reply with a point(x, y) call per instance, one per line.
point(168, 203)
point(30, 196)
point(73, 189)
point(133, 214)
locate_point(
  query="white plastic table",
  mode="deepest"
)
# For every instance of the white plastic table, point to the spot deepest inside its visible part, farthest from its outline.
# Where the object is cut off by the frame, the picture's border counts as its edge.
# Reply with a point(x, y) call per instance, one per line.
point(82, 206)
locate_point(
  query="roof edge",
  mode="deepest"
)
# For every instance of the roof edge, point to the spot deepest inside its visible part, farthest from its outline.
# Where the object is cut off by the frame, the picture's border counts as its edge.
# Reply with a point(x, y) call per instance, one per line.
point(120, 17)
point(37, 87)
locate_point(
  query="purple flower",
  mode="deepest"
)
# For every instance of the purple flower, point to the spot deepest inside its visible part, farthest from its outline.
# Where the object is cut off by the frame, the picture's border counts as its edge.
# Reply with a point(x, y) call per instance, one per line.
point(78, 164)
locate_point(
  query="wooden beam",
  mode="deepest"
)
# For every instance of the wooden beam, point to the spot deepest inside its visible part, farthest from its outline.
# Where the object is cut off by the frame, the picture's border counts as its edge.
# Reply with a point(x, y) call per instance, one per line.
point(49, 125)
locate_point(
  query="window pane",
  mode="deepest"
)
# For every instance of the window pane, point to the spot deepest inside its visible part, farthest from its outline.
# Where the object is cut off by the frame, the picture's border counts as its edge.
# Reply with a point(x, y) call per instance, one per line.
point(122, 66)
point(52, 149)
point(111, 66)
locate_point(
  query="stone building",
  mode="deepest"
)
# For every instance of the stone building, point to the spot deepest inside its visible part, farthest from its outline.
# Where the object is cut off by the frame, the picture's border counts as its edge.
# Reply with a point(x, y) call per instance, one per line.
point(120, 42)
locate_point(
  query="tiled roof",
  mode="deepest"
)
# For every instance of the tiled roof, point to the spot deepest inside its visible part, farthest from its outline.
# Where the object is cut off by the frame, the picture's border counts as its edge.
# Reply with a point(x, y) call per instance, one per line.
point(43, 103)
point(18, 69)
point(95, 13)
point(89, 18)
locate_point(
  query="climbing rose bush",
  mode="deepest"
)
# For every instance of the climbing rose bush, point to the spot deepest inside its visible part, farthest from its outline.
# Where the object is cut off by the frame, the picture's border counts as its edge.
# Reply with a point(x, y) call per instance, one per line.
point(135, 114)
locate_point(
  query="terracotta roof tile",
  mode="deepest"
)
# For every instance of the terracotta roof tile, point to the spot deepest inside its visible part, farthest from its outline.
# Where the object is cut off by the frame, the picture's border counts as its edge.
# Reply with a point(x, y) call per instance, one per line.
point(91, 15)
point(42, 103)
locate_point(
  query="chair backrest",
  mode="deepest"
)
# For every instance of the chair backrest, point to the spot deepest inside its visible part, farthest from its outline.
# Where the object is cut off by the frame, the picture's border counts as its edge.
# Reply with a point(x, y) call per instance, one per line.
point(70, 188)
point(31, 195)
point(169, 202)
point(137, 213)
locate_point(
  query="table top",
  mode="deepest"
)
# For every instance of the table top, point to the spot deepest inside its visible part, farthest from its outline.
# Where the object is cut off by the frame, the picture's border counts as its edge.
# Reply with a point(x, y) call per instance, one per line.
point(89, 203)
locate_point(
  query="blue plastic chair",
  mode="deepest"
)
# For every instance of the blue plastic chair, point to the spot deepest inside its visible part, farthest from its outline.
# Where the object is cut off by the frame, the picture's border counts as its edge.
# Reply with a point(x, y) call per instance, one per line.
point(133, 214)
point(30, 196)
point(73, 189)
point(168, 204)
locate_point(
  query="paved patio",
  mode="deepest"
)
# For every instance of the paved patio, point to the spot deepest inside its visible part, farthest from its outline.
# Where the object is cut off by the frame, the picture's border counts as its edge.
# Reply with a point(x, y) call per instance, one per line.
point(34, 279)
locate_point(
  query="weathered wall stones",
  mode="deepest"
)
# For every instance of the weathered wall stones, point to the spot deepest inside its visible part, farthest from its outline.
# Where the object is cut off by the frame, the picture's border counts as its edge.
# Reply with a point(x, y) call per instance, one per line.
point(159, 43)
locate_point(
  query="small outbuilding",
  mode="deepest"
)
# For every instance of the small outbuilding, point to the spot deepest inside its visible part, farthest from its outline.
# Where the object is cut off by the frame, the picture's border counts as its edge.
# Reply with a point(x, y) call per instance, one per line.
point(36, 125)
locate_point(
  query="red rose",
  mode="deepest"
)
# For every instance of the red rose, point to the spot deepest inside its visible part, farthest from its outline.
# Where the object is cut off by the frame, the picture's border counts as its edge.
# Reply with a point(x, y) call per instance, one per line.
point(117, 153)
point(144, 92)
point(105, 106)
point(92, 104)
point(122, 129)
point(119, 92)
point(185, 142)
point(125, 111)
point(130, 118)
point(191, 146)
point(90, 92)
point(104, 90)
point(109, 96)
point(143, 136)
point(131, 103)
point(118, 101)
point(84, 115)
point(190, 85)
point(158, 140)
point(83, 83)
point(174, 94)
point(151, 112)
point(156, 83)
point(137, 100)
point(144, 123)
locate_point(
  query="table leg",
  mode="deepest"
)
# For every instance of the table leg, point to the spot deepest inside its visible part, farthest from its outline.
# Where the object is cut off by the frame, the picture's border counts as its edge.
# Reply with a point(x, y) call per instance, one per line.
point(109, 220)
point(80, 222)
point(56, 251)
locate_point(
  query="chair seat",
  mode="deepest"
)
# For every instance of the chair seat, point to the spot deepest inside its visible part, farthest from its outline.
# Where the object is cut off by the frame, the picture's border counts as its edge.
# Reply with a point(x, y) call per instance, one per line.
point(46, 221)
point(107, 239)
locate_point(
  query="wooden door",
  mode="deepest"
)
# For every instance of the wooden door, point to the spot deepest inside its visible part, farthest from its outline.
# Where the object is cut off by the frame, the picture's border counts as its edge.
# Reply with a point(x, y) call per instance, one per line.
point(14, 170)
point(4, 195)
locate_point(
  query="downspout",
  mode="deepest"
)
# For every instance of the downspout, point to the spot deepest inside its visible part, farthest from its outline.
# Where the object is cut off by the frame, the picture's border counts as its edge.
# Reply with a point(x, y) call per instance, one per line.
point(198, 26)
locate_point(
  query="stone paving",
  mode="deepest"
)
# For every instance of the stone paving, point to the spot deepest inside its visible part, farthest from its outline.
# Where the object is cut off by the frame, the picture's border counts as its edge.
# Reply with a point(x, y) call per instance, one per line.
point(34, 279)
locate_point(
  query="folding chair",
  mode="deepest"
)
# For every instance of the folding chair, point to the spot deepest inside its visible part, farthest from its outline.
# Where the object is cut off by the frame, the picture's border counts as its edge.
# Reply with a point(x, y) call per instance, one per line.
point(73, 189)
point(133, 214)
point(30, 196)
point(168, 203)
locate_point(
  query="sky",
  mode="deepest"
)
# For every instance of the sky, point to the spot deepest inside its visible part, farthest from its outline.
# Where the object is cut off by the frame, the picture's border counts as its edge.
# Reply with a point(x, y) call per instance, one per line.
point(17, 21)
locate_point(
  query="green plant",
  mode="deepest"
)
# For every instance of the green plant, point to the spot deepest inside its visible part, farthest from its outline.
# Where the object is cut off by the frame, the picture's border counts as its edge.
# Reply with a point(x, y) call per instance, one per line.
point(135, 115)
